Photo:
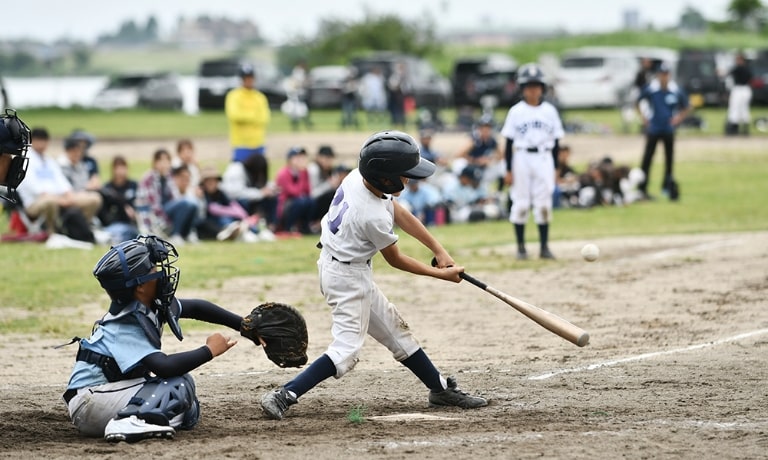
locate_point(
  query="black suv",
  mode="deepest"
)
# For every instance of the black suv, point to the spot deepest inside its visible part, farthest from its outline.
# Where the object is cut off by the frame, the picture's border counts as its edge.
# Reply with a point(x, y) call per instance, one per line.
point(430, 89)
point(475, 77)
point(759, 83)
point(698, 75)
point(217, 77)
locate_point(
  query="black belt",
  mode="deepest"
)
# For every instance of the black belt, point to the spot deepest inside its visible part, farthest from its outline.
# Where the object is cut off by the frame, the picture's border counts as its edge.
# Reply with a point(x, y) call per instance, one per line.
point(69, 394)
point(319, 245)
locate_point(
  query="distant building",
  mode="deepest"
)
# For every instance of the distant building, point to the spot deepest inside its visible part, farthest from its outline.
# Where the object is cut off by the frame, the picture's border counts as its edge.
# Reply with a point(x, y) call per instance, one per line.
point(631, 19)
point(206, 32)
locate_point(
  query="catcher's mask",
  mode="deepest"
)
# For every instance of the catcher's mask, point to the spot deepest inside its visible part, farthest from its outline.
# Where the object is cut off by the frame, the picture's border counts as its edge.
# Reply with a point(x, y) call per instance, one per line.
point(387, 155)
point(14, 143)
point(136, 262)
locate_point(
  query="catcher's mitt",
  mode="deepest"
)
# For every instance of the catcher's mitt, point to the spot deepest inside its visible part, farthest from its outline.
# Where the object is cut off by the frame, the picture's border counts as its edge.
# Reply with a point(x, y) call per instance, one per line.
point(282, 328)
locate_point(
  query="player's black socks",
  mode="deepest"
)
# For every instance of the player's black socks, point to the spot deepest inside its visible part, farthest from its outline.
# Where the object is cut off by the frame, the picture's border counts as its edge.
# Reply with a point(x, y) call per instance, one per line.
point(520, 235)
point(544, 234)
point(420, 364)
point(318, 371)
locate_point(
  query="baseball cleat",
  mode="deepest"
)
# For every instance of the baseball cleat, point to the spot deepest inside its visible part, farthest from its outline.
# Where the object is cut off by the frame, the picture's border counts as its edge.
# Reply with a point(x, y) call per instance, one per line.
point(452, 396)
point(276, 402)
point(132, 429)
point(522, 254)
point(547, 254)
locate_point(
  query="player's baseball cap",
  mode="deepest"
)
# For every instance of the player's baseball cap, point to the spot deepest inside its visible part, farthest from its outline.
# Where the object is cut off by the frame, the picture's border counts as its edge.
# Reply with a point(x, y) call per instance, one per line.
point(293, 151)
point(664, 68)
point(246, 70)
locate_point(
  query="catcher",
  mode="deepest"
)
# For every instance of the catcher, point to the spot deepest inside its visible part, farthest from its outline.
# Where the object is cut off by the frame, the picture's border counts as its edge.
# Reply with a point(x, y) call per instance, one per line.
point(122, 386)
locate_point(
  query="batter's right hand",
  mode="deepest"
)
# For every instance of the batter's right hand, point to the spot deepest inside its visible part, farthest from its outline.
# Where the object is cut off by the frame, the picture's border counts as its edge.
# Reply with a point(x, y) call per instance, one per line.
point(451, 273)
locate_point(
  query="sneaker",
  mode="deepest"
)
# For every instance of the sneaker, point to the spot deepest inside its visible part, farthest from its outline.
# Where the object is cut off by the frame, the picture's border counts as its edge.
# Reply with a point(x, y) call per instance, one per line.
point(522, 254)
point(248, 236)
point(546, 254)
point(266, 234)
point(132, 429)
point(452, 396)
point(276, 402)
point(230, 232)
point(192, 238)
point(176, 240)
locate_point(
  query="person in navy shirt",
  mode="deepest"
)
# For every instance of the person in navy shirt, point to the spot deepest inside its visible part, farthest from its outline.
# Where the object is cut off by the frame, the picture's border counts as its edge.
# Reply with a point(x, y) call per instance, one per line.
point(667, 106)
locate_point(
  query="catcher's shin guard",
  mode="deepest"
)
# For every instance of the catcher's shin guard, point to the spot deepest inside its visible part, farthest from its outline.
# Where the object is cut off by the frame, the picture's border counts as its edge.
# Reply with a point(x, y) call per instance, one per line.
point(161, 401)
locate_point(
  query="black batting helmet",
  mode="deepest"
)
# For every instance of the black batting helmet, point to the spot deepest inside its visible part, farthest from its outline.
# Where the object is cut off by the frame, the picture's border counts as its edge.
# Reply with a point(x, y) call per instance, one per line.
point(136, 262)
point(387, 155)
point(530, 73)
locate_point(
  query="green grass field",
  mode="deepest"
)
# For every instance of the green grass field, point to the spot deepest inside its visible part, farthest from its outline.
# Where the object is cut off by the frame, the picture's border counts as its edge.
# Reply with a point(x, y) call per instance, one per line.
point(719, 195)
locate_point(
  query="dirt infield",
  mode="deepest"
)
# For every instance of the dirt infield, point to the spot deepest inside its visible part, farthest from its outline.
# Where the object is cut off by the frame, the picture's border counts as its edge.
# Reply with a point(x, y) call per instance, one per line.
point(676, 367)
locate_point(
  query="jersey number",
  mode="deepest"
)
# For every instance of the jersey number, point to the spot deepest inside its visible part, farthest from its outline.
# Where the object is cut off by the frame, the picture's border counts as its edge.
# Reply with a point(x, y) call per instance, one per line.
point(334, 221)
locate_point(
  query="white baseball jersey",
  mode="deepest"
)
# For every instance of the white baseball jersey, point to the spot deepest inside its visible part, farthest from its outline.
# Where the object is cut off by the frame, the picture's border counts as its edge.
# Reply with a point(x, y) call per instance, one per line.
point(533, 131)
point(358, 225)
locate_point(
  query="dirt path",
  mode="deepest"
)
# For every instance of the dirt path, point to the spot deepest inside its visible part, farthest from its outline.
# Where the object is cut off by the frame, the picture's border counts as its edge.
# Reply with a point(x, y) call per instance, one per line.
point(676, 368)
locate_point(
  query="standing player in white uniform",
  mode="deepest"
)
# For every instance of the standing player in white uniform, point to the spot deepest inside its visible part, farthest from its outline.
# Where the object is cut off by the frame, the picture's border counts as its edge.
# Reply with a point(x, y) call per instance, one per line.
point(533, 130)
point(360, 223)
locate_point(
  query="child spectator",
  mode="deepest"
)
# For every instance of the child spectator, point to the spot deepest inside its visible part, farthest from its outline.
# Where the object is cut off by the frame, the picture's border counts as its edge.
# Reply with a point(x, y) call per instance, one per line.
point(322, 180)
point(118, 214)
point(225, 219)
point(295, 206)
point(162, 210)
point(185, 155)
point(248, 182)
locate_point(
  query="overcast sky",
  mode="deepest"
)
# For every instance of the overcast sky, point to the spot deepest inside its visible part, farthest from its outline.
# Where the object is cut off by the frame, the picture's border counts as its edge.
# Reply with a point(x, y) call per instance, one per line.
point(282, 19)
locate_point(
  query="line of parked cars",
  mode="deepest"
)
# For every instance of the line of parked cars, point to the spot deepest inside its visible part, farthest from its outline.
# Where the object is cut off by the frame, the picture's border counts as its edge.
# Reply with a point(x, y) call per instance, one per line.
point(581, 78)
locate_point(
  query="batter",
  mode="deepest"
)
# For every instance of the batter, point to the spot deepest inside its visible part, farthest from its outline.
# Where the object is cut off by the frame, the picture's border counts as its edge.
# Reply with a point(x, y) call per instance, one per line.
point(360, 223)
point(533, 131)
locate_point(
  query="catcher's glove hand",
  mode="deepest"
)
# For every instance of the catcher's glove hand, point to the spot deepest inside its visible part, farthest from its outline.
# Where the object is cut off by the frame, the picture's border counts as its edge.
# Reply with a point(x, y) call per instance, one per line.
point(281, 329)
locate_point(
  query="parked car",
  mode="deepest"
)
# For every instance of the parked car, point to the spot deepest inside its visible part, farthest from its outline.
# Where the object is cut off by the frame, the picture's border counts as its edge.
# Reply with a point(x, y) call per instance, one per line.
point(216, 77)
point(146, 90)
point(699, 75)
point(325, 85)
point(477, 77)
point(430, 89)
point(595, 77)
point(759, 83)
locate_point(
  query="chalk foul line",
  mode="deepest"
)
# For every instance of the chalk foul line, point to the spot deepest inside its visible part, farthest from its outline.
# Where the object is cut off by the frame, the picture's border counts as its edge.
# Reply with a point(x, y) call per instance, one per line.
point(645, 356)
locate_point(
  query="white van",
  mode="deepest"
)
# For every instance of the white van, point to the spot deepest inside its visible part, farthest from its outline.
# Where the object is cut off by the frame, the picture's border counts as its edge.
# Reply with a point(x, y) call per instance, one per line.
point(595, 77)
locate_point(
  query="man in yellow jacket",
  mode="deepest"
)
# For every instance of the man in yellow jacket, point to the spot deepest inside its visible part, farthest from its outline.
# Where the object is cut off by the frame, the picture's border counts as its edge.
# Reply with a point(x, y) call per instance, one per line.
point(248, 114)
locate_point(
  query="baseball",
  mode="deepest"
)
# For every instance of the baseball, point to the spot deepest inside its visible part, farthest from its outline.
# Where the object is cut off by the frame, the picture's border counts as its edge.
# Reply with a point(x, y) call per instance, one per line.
point(590, 252)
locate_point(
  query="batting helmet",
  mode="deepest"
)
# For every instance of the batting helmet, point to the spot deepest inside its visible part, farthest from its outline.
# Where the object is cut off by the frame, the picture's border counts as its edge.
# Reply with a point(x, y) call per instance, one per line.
point(136, 262)
point(530, 73)
point(387, 155)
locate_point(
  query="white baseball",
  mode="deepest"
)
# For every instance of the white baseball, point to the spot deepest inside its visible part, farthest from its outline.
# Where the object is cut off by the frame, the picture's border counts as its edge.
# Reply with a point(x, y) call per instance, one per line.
point(590, 252)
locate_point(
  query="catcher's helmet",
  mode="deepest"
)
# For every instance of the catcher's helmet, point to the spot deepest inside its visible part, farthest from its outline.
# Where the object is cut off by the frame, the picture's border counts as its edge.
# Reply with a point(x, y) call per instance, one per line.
point(387, 155)
point(136, 262)
point(530, 73)
point(15, 137)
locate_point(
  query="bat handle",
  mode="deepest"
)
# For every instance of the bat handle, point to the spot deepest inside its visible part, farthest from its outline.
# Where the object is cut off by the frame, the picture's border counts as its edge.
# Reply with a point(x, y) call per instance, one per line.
point(473, 280)
point(466, 276)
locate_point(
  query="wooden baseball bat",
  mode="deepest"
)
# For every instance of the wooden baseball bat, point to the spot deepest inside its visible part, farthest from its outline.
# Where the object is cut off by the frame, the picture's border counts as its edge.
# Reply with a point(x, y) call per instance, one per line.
point(545, 319)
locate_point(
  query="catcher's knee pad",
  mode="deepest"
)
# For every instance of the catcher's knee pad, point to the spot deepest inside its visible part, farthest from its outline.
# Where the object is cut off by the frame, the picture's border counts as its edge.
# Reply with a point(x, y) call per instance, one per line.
point(168, 402)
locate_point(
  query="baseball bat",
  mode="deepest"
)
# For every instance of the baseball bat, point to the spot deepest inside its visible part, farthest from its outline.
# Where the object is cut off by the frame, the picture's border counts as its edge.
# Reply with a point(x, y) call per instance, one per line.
point(543, 318)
